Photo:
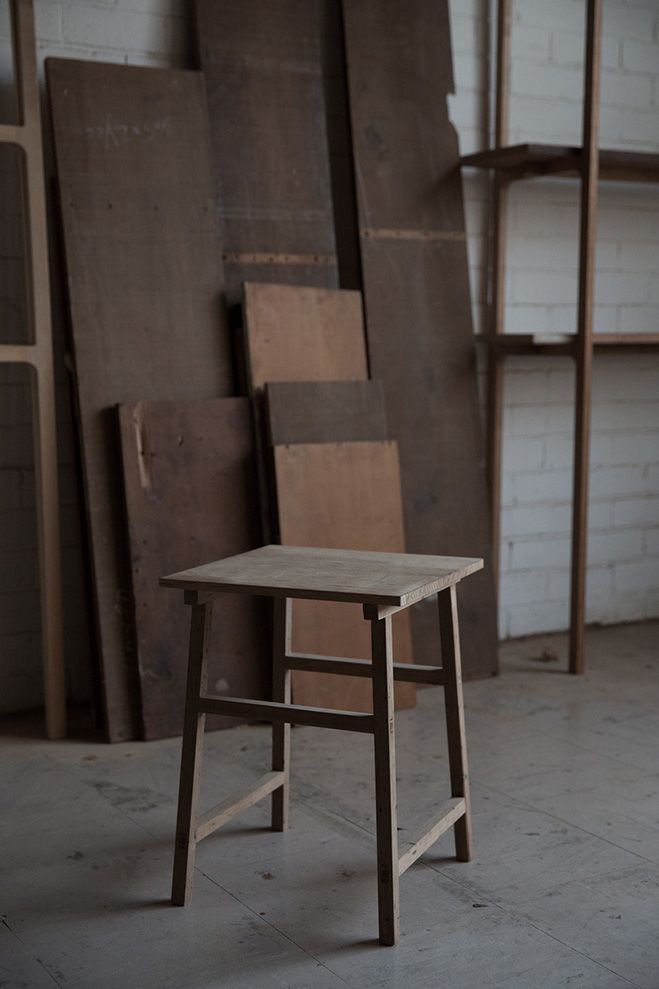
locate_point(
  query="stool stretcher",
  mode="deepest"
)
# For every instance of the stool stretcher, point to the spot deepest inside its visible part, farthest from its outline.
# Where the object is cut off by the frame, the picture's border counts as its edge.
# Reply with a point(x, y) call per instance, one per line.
point(407, 672)
point(450, 812)
point(219, 815)
point(289, 714)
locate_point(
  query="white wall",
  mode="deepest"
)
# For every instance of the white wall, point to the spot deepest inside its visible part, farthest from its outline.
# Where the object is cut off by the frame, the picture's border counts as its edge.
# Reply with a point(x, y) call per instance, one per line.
point(541, 293)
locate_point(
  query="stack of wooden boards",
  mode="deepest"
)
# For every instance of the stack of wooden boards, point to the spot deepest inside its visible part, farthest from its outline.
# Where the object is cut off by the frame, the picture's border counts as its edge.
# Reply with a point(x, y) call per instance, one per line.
point(181, 192)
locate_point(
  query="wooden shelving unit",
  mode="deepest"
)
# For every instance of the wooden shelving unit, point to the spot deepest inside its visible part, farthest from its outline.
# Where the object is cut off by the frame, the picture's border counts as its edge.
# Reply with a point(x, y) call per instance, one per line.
point(589, 163)
point(38, 355)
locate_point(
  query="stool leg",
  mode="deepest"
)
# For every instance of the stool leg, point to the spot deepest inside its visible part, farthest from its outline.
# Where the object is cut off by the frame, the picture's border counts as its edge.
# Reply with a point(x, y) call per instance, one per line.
point(281, 691)
point(385, 780)
point(455, 728)
point(191, 756)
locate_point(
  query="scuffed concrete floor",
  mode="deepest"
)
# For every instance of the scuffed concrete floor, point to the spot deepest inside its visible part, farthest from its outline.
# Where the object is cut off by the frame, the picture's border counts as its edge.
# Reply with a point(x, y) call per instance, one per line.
point(564, 889)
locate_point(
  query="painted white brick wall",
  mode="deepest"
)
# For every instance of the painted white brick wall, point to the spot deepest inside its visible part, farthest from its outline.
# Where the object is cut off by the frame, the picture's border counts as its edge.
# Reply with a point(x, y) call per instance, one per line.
point(541, 293)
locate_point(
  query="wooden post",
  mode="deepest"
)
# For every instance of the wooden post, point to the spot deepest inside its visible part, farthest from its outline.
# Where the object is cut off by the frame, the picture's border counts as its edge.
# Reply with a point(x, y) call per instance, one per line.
point(192, 752)
point(385, 781)
point(495, 373)
point(584, 342)
point(281, 691)
point(455, 728)
point(38, 355)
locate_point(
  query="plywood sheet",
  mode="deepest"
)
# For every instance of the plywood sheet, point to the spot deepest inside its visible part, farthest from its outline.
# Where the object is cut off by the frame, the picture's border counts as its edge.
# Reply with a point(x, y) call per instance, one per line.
point(145, 287)
point(325, 411)
point(191, 496)
point(343, 496)
point(416, 291)
point(301, 333)
point(263, 63)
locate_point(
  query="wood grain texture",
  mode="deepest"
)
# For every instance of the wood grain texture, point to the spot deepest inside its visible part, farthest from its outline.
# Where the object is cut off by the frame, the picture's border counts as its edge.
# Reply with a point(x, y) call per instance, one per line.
point(416, 290)
point(346, 495)
point(373, 577)
point(145, 290)
point(191, 495)
point(263, 63)
point(300, 333)
point(325, 412)
point(25, 139)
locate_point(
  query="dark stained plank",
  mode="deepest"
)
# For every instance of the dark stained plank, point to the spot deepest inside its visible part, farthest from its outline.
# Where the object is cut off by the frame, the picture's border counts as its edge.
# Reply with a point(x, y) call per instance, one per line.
point(263, 62)
point(301, 333)
point(325, 411)
point(191, 497)
point(142, 256)
point(340, 496)
point(416, 291)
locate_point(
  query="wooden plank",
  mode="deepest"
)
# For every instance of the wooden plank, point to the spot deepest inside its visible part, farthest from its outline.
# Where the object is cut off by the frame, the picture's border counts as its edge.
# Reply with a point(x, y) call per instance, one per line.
point(527, 160)
point(297, 333)
point(137, 202)
point(325, 412)
point(38, 353)
point(281, 692)
point(416, 290)
point(433, 829)
point(584, 341)
point(398, 579)
point(192, 753)
point(384, 745)
point(455, 726)
point(225, 811)
point(263, 64)
point(363, 668)
point(291, 714)
point(191, 495)
point(495, 367)
point(347, 496)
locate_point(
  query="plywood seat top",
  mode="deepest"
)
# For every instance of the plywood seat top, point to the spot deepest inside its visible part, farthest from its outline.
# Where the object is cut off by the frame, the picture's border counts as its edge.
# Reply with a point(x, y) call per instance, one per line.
point(390, 579)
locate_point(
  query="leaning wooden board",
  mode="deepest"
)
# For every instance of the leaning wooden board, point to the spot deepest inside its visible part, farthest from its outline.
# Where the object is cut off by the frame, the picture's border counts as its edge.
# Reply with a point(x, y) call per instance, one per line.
point(325, 411)
point(298, 333)
point(350, 494)
point(416, 291)
point(137, 201)
point(301, 333)
point(263, 64)
point(191, 496)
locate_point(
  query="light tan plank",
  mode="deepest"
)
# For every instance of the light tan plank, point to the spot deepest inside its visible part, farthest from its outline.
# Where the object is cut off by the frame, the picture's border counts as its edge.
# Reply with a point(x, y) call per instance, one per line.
point(295, 333)
point(223, 812)
point(332, 574)
point(431, 831)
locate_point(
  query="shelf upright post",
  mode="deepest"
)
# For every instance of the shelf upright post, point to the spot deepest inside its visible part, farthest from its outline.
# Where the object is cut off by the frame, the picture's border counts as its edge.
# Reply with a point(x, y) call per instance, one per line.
point(38, 355)
point(495, 370)
point(584, 342)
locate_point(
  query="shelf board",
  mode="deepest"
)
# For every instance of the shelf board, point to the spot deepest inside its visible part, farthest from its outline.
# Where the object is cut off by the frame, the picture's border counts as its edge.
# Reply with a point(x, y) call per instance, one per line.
point(563, 344)
point(520, 161)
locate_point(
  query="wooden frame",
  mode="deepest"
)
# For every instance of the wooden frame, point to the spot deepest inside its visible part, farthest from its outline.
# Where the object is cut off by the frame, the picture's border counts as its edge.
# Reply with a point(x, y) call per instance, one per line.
point(38, 355)
point(391, 863)
point(521, 161)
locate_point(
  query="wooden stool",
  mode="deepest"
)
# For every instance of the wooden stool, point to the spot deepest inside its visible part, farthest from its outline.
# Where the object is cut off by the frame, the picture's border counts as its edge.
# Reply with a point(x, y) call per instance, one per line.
point(383, 583)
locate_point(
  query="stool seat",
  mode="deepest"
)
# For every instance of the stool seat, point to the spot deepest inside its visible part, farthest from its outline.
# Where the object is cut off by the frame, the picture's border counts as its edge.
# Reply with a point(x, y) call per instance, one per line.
point(383, 583)
point(389, 579)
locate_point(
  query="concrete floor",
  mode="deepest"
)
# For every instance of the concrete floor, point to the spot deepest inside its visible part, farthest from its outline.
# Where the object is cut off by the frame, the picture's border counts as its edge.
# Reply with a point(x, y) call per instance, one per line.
point(564, 889)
